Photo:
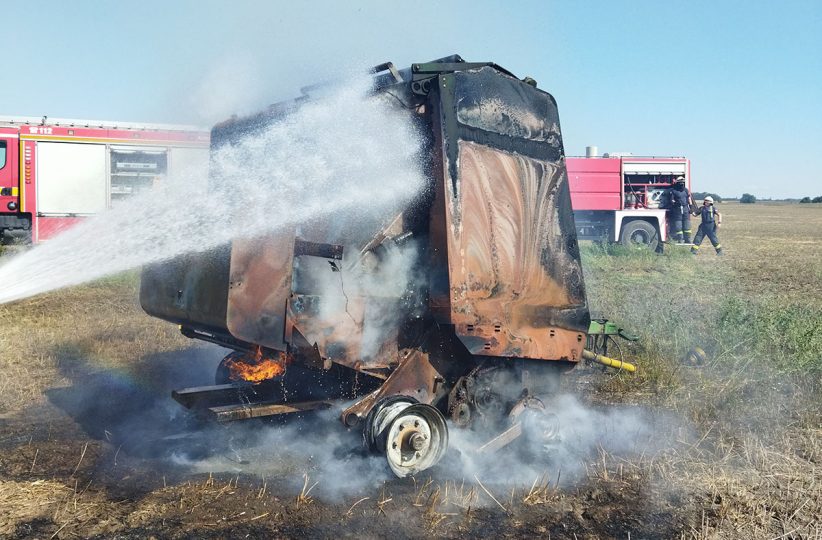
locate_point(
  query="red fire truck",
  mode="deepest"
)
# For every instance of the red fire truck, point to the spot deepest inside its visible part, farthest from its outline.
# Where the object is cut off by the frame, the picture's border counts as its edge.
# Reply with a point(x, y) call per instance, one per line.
point(53, 172)
point(617, 197)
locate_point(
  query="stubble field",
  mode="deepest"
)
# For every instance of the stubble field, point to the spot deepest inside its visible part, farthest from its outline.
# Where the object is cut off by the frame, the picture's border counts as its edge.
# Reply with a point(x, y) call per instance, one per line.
point(92, 445)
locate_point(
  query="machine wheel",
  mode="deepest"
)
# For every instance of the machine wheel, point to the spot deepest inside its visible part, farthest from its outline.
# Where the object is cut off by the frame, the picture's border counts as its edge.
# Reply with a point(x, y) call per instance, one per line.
point(639, 234)
point(541, 427)
point(538, 423)
point(695, 357)
point(222, 374)
point(379, 419)
point(413, 436)
point(416, 439)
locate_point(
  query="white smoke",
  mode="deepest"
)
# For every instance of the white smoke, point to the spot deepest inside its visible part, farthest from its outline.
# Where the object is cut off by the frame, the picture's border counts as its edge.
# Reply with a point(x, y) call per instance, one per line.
point(583, 431)
point(332, 455)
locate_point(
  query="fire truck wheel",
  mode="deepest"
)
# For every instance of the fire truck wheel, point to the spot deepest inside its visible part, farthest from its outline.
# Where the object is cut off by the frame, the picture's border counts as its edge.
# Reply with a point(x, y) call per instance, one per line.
point(639, 234)
point(416, 440)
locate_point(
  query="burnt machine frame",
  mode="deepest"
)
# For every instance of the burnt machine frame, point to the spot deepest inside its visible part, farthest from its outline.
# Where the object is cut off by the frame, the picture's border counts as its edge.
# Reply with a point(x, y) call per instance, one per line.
point(501, 312)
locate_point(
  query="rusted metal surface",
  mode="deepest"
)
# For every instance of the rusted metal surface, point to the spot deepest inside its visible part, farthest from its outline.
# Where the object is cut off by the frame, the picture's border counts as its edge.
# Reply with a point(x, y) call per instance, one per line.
point(527, 417)
point(259, 286)
point(244, 411)
point(503, 439)
point(335, 326)
point(198, 396)
point(317, 249)
point(331, 323)
point(191, 289)
point(415, 377)
point(500, 236)
point(513, 264)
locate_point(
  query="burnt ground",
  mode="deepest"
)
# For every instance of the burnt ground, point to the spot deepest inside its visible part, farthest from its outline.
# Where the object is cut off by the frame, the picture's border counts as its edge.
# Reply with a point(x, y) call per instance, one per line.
point(107, 457)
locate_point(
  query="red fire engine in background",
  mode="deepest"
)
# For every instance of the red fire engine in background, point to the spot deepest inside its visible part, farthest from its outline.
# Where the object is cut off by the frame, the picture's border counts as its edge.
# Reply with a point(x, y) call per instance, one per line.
point(617, 197)
point(53, 172)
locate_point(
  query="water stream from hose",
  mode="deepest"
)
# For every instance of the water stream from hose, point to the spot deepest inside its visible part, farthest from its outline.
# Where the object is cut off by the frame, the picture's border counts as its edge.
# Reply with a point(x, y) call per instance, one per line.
point(348, 156)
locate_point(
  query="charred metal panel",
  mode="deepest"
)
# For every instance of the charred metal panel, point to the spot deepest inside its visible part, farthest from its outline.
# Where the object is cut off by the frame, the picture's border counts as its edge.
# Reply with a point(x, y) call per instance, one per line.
point(415, 377)
point(329, 324)
point(516, 286)
point(494, 230)
point(347, 331)
point(193, 289)
point(497, 104)
point(439, 293)
point(259, 287)
point(190, 289)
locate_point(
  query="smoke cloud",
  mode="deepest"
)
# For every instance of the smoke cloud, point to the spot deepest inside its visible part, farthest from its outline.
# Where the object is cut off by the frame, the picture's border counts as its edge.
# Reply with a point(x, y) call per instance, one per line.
point(334, 456)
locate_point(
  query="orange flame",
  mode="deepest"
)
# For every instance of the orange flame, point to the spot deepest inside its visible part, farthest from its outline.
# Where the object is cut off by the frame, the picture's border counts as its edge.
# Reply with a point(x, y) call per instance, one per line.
point(255, 368)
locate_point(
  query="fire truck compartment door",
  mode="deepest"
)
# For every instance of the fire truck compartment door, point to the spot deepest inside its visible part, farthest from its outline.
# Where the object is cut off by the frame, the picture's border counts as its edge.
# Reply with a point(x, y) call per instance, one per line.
point(71, 178)
point(7, 149)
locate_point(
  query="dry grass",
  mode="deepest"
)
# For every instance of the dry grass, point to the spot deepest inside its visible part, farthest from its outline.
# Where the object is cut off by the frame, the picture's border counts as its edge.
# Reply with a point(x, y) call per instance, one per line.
point(304, 498)
point(744, 487)
point(775, 248)
point(46, 338)
point(70, 509)
point(755, 408)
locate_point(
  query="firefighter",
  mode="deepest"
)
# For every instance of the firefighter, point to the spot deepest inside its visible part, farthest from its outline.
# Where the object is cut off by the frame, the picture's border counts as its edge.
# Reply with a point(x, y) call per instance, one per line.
point(711, 219)
point(678, 202)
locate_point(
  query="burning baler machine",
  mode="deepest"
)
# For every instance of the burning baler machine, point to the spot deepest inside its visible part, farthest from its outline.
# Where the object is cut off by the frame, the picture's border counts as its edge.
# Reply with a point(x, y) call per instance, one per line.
point(497, 311)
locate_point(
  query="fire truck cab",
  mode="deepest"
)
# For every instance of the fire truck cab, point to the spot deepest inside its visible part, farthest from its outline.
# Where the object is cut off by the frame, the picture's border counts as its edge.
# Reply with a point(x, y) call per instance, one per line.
point(617, 197)
point(54, 172)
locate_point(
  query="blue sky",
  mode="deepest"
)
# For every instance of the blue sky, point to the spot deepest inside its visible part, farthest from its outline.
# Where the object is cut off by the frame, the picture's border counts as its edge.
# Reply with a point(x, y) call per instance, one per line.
point(735, 86)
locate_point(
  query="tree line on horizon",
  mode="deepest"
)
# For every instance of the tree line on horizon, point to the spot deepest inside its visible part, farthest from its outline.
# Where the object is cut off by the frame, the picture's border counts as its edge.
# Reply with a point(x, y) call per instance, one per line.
point(748, 198)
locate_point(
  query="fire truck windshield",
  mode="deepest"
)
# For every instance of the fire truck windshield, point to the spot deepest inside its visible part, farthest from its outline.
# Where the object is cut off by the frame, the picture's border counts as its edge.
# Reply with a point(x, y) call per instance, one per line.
point(2, 154)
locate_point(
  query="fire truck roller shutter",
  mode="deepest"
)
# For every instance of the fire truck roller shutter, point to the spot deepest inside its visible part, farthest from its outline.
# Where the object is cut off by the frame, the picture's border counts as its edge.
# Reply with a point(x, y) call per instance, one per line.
point(71, 178)
point(135, 169)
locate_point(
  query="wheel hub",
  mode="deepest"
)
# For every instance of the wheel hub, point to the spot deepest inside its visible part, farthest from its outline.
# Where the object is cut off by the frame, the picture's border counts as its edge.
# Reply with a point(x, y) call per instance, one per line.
point(640, 237)
point(408, 441)
point(413, 437)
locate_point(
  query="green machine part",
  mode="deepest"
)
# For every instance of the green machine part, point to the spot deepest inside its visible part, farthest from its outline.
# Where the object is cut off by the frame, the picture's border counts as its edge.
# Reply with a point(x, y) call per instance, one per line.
point(604, 327)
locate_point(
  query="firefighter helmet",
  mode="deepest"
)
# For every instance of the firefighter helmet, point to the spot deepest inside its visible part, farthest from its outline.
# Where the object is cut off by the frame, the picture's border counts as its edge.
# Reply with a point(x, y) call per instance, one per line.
point(709, 199)
point(680, 179)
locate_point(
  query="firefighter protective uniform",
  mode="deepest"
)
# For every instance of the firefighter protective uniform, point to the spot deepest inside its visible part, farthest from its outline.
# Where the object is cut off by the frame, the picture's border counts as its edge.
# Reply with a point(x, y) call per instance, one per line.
point(710, 220)
point(680, 213)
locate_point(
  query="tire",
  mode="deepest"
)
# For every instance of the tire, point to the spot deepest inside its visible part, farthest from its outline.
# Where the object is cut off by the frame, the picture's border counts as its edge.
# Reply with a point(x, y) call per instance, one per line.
point(222, 376)
point(639, 234)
